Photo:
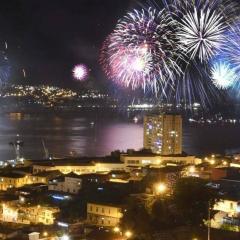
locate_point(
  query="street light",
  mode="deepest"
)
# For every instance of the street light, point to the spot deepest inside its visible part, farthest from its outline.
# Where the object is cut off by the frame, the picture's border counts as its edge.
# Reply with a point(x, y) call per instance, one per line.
point(128, 234)
point(212, 162)
point(160, 188)
point(116, 229)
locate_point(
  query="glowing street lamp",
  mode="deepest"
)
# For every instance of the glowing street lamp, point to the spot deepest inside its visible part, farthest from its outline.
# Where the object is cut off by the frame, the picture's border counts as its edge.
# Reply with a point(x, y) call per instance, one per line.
point(128, 234)
point(212, 162)
point(116, 229)
point(160, 188)
point(225, 163)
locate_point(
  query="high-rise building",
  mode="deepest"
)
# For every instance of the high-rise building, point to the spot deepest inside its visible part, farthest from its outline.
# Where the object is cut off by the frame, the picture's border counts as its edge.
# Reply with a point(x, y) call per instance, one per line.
point(163, 134)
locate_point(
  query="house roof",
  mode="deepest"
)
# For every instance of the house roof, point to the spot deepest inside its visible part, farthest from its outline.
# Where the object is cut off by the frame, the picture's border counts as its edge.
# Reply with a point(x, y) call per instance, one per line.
point(12, 175)
point(47, 173)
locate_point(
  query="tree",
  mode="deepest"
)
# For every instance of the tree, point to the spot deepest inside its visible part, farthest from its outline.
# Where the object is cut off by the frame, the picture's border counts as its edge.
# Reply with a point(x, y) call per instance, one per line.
point(192, 198)
point(136, 218)
point(162, 215)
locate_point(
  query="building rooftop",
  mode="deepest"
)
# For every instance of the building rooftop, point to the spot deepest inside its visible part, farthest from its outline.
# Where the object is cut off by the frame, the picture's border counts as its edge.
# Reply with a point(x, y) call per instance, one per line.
point(72, 175)
point(166, 169)
point(149, 153)
point(77, 161)
point(48, 173)
point(107, 204)
point(61, 163)
point(12, 175)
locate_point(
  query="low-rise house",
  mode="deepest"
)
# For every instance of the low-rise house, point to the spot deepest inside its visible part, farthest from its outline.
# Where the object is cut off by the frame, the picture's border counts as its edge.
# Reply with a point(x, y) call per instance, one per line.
point(142, 159)
point(13, 180)
point(119, 175)
point(229, 206)
point(16, 212)
point(70, 183)
point(225, 172)
point(94, 178)
point(44, 177)
point(104, 215)
point(77, 167)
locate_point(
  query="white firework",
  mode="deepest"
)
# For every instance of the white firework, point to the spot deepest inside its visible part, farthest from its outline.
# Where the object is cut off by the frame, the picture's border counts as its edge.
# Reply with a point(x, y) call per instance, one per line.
point(223, 76)
point(201, 33)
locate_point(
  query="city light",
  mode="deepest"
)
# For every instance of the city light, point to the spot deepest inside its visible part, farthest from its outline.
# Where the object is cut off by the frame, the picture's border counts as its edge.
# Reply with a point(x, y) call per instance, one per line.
point(65, 237)
point(160, 188)
point(128, 234)
point(224, 163)
point(159, 161)
point(116, 229)
point(62, 224)
point(192, 169)
point(212, 161)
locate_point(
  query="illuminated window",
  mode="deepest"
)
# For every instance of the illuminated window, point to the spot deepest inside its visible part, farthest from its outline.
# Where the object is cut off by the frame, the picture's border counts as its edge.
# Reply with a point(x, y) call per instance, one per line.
point(146, 161)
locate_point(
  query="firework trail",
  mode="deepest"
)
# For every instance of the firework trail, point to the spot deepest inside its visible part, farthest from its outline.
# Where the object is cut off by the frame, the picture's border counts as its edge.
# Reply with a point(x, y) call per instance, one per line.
point(231, 48)
point(4, 68)
point(24, 73)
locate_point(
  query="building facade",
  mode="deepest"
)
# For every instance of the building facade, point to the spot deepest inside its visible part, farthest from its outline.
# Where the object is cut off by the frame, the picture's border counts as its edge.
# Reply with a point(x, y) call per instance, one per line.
point(71, 183)
point(163, 134)
point(104, 215)
point(78, 168)
point(143, 160)
point(231, 207)
point(18, 213)
point(13, 180)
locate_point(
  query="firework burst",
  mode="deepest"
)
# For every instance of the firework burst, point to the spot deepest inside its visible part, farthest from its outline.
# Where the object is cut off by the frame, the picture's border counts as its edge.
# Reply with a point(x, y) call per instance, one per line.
point(169, 50)
point(223, 76)
point(202, 24)
point(201, 33)
point(142, 51)
point(80, 72)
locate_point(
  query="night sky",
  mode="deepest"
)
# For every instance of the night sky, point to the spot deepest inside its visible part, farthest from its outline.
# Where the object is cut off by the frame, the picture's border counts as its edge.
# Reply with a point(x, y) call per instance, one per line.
point(48, 37)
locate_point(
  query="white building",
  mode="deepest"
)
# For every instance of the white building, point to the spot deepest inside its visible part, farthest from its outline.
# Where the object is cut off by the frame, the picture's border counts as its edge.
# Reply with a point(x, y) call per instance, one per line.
point(70, 183)
point(139, 159)
point(78, 167)
point(105, 215)
point(230, 207)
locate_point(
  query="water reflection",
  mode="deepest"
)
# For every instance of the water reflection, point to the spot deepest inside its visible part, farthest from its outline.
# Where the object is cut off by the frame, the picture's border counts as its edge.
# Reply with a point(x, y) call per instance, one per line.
point(99, 135)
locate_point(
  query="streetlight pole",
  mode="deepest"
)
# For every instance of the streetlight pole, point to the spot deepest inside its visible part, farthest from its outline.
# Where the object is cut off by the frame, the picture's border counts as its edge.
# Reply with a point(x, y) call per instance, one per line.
point(209, 221)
